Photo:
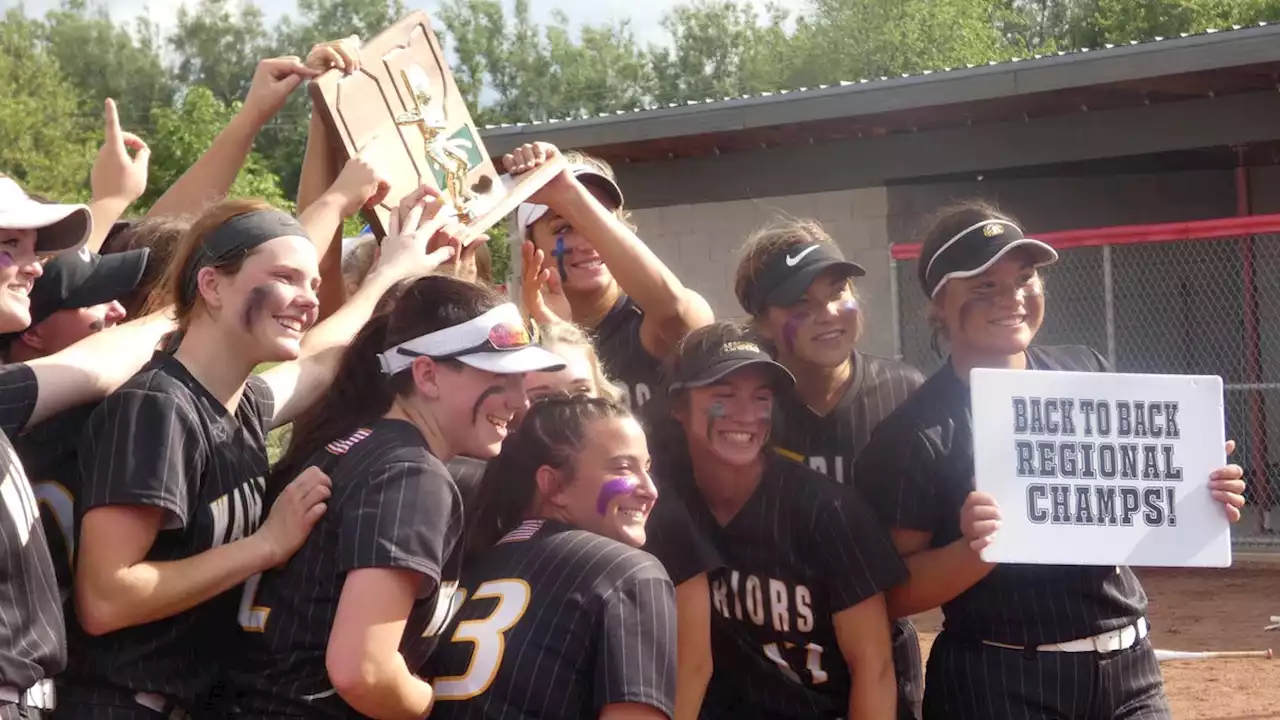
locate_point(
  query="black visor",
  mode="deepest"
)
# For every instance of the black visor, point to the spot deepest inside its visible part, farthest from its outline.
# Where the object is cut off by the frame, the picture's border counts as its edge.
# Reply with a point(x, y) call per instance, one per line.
point(976, 249)
point(711, 367)
point(788, 275)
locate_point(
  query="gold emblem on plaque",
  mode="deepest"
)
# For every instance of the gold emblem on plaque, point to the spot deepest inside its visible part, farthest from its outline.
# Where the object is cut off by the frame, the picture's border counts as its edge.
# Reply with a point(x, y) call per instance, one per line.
point(449, 153)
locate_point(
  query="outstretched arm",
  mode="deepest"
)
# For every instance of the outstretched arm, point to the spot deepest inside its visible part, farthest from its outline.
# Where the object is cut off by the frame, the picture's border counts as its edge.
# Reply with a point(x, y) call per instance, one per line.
point(210, 178)
point(118, 178)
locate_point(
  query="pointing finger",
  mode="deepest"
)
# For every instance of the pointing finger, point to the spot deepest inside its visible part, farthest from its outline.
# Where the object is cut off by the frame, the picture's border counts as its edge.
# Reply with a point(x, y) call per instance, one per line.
point(112, 121)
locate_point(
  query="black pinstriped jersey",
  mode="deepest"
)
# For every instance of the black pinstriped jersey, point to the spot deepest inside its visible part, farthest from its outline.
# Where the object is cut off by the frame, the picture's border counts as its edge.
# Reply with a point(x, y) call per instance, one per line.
point(802, 549)
point(50, 453)
point(917, 472)
point(467, 472)
point(163, 440)
point(830, 443)
point(32, 636)
point(625, 360)
point(393, 506)
point(556, 624)
point(682, 549)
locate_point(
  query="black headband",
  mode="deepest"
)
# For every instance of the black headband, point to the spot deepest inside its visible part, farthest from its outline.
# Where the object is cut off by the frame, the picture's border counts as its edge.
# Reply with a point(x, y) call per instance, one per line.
point(236, 237)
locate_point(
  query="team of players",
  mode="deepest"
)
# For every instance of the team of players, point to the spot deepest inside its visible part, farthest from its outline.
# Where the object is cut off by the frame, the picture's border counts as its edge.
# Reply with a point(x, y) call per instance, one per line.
point(431, 544)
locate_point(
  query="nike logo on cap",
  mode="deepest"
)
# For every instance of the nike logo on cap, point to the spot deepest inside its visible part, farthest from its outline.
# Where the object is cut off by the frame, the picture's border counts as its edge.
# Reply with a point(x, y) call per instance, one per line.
point(792, 260)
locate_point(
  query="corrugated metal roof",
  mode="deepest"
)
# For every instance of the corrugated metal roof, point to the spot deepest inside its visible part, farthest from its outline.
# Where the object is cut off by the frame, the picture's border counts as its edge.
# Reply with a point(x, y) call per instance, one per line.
point(1210, 49)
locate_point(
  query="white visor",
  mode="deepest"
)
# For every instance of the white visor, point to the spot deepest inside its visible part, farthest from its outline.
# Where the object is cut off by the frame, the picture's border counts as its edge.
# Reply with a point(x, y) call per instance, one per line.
point(58, 227)
point(1050, 255)
point(496, 341)
point(530, 213)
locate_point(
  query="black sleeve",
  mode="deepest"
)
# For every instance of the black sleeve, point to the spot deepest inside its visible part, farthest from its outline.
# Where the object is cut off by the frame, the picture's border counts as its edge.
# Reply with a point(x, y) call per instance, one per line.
point(1103, 364)
point(399, 516)
point(673, 539)
point(853, 551)
point(18, 392)
point(636, 656)
point(262, 404)
point(141, 448)
point(896, 475)
point(467, 473)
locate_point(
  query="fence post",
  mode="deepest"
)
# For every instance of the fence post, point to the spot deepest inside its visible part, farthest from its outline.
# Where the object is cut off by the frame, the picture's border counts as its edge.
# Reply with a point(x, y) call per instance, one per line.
point(894, 310)
point(1109, 304)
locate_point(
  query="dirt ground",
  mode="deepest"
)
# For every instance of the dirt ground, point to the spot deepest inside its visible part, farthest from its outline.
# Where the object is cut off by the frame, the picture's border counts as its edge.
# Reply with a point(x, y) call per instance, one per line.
point(1201, 610)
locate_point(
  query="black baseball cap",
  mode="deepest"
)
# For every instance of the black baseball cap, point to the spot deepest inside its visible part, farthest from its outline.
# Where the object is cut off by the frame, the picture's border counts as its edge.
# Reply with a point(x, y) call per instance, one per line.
point(83, 279)
point(787, 276)
point(975, 249)
point(707, 367)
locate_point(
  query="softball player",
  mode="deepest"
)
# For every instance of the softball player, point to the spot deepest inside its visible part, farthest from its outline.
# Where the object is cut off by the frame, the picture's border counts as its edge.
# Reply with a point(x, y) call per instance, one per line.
point(32, 633)
point(799, 291)
point(798, 622)
point(1018, 641)
point(563, 616)
point(173, 465)
point(609, 281)
point(342, 628)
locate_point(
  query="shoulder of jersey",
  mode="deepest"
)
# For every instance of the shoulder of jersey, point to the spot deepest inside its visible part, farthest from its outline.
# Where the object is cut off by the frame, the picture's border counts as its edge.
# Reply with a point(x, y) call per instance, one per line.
point(618, 556)
point(884, 366)
point(343, 446)
point(1079, 358)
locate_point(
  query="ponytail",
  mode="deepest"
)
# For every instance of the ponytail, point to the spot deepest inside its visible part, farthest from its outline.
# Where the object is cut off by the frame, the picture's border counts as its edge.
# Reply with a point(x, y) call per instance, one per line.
point(360, 394)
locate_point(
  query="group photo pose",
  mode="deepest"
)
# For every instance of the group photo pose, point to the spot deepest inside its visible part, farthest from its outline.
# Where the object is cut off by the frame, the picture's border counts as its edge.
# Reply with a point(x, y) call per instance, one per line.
point(369, 378)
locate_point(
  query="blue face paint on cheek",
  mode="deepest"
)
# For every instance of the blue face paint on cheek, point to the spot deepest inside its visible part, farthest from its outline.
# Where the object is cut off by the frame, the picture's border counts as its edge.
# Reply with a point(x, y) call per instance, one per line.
point(848, 307)
point(559, 254)
point(615, 488)
point(715, 412)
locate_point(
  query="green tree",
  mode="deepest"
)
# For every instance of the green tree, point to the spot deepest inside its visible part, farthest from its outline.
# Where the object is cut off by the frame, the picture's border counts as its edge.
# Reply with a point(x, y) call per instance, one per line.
point(1120, 21)
point(184, 132)
point(45, 144)
point(219, 48)
point(721, 49)
point(102, 60)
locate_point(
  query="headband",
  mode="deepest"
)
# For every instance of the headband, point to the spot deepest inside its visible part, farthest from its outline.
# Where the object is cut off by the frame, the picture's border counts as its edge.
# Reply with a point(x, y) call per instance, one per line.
point(504, 320)
point(235, 238)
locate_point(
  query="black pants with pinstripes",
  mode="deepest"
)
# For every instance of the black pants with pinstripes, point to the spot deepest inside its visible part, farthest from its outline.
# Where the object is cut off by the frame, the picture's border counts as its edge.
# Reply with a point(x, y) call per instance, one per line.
point(909, 669)
point(968, 680)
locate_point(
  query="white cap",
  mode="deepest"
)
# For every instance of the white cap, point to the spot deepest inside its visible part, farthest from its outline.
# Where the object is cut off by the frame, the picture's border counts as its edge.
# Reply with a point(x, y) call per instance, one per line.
point(496, 341)
point(529, 213)
point(58, 227)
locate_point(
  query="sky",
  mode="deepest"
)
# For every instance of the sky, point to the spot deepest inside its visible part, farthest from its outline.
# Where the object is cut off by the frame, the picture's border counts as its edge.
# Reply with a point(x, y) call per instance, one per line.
point(645, 16)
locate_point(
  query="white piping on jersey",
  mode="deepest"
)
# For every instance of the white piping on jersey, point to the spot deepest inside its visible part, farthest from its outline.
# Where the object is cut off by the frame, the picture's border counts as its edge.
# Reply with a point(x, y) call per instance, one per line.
point(320, 696)
point(523, 531)
point(340, 447)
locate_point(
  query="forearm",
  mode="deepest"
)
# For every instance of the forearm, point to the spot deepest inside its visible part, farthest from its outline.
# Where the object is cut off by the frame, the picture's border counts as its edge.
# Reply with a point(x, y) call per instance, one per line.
point(323, 221)
point(338, 329)
point(387, 690)
point(873, 694)
point(636, 268)
point(937, 576)
point(211, 176)
point(151, 591)
point(694, 662)
point(94, 367)
point(319, 169)
point(693, 675)
point(105, 211)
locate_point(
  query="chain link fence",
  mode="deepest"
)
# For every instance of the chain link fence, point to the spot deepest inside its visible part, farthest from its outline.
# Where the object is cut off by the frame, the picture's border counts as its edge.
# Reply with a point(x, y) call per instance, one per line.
point(1203, 304)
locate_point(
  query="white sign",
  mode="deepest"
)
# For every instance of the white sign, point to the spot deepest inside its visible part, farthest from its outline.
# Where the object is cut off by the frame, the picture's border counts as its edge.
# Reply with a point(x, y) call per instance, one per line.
point(1101, 468)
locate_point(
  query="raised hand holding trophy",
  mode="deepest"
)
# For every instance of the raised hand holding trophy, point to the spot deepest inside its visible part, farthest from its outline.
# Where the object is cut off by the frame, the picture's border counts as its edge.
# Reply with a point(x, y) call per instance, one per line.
point(403, 101)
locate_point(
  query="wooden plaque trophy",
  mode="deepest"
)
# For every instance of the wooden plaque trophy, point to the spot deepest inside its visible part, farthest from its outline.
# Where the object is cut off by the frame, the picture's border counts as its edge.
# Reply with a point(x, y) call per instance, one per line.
point(404, 102)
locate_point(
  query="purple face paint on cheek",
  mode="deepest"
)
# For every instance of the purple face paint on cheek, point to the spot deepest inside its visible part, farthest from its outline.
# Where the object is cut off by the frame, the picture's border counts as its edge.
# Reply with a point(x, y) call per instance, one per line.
point(255, 305)
point(792, 327)
point(847, 307)
point(615, 488)
point(6, 260)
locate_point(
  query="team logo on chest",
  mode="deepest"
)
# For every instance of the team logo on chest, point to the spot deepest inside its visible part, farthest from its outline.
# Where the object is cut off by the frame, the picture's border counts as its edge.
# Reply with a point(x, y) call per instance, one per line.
point(762, 601)
point(237, 514)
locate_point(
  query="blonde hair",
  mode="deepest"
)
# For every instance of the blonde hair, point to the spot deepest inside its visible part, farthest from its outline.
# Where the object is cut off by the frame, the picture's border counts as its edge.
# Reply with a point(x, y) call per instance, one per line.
point(358, 261)
point(563, 333)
